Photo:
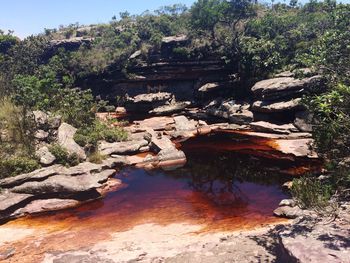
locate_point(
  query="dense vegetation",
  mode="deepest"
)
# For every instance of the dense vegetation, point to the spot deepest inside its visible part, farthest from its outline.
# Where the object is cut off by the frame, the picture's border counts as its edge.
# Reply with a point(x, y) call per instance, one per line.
point(255, 40)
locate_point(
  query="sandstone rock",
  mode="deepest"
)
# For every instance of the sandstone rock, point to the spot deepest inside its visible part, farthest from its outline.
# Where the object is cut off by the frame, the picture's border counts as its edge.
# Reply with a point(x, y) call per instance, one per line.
point(263, 126)
point(65, 138)
point(54, 122)
point(282, 87)
point(41, 135)
point(288, 212)
point(155, 123)
point(126, 147)
point(41, 119)
point(45, 156)
point(171, 108)
point(268, 106)
point(310, 240)
point(71, 43)
point(184, 124)
point(287, 202)
point(303, 121)
point(151, 97)
point(235, 112)
point(65, 184)
point(40, 206)
point(209, 87)
point(170, 39)
point(9, 199)
point(135, 54)
point(296, 147)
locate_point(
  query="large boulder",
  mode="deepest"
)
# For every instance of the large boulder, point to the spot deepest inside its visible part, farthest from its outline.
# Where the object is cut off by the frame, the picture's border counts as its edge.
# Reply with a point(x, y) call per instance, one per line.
point(147, 102)
point(65, 138)
point(285, 87)
point(45, 156)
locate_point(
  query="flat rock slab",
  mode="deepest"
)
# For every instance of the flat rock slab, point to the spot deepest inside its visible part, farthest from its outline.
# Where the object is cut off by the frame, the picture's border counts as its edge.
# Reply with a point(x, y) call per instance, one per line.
point(127, 147)
point(8, 199)
point(263, 126)
point(281, 106)
point(297, 147)
point(155, 123)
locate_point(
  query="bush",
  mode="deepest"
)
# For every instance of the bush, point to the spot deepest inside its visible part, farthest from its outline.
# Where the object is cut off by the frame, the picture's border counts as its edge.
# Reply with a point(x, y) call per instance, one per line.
point(17, 165)
point(96, 157)
point(63, 157)
point(88, 137)
point(311, 193)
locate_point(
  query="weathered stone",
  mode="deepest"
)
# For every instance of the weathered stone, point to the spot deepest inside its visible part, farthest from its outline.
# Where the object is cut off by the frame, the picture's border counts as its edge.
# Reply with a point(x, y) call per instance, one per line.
point(41, 118)
point(209, 87)
point(40, 206)
point(126, 147)
point(297, 147)
point(288, 212)
point(45, 156)
point(54, 122)
point(41, 135)
point(151, 97)
point(287, 202)
point(170, 39)
point(65, 138)
point(171, 108)
point(263, 126)
point(284, 87)
point(155, 123)
point(184, 124)
point(135, 54)
point(9, 199)
point(303, 121)
point(268, 106)
point(65, 184)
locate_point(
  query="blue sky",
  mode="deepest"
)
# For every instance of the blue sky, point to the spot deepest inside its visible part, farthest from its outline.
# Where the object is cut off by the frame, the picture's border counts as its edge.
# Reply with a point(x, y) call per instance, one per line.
point(28, 17)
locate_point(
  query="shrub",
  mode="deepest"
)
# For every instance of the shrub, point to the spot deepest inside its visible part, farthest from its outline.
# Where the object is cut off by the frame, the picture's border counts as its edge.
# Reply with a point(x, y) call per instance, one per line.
point(63, 157)
point(88, 137)
point(311, 193)
point(96, 157)
point(17, 165)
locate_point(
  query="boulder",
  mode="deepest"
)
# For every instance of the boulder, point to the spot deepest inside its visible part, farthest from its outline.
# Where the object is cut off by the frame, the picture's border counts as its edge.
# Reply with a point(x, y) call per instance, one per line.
point(288, 212)
point(209, 87)
point(135, 54)
point(65, 138)
point(147, 102)
point(41, 119)
point(271, 106)
point(151, 97)
point(54, 122)
point(284, 87)
point(45, 156)
point(303, 121)
point(184, 124)
point(263, 126)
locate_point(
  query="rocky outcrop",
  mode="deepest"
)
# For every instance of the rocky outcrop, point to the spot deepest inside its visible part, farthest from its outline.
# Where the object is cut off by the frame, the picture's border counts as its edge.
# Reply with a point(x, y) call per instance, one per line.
point(147, 102)
point(123, 148)
point(284, 87)
point(23, 194)
point(70, 44)
point(65, 138)
point(45, 156)
point(263, 126)
point(280, 106)
point(170, 108)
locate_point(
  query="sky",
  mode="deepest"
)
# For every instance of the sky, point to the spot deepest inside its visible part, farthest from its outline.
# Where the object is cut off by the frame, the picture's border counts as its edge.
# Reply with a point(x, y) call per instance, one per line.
point(28, 17)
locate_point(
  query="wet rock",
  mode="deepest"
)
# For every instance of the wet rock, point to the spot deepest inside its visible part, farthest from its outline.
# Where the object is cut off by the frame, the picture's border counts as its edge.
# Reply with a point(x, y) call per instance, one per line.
point(127, 147)
point(271, 106)
point(45, 156)
point(303, 121)
point(263, 126)
point(171, 108)
point(288, 212)
point(40, 206)
point(65, 138)
point(283, 87)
